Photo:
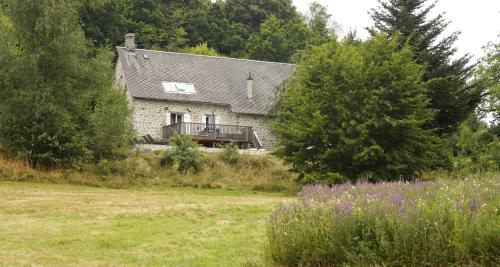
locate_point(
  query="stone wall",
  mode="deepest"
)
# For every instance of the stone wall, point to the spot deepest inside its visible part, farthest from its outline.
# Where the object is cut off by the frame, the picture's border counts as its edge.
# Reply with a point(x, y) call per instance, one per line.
point(150, 115)
point(250, 151)
point(261, 125)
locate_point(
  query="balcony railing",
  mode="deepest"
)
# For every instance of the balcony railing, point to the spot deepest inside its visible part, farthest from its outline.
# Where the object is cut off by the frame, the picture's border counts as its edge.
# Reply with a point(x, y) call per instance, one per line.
point(212, 132)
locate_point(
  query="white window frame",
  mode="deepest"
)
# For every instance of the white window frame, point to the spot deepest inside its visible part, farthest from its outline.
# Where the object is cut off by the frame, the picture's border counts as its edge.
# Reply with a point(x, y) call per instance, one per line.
point(168, 117)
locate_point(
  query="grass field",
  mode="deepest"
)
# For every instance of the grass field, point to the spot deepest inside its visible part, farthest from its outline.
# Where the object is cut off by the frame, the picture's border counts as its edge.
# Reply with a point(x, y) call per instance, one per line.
point(67, 225)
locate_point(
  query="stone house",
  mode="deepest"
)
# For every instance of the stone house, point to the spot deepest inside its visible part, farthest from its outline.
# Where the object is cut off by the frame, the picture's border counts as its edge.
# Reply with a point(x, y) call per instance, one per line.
point(211, 99)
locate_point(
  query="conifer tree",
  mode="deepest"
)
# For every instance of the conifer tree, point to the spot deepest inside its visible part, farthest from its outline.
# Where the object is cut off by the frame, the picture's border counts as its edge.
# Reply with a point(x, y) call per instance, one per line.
point(446, 76)
point(355, 111)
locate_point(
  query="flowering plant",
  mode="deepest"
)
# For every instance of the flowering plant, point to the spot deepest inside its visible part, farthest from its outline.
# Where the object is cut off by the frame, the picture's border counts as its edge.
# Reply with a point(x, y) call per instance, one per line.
point(404, 223)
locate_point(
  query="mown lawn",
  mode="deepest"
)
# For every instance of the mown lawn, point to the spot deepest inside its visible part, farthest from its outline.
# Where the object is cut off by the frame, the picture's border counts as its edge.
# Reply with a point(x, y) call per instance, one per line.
point(43, 224)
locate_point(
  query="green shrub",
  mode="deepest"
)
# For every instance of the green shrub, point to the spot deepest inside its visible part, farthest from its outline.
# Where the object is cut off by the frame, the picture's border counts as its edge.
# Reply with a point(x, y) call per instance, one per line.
point(230, 154)
point(475, 147)
point(52, 138)
point(166, 159)
point(138, 167)
point(103, 167)
point(185, 154)
point(440, 223)
point(112, 130)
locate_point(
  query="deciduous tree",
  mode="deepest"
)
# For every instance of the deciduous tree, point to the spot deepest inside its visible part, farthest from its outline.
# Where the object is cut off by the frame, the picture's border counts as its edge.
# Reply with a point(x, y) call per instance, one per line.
point(488, 77)
point(356, 111)
point(320, 23)
point(54, 78)
point(277, 42)
point(203, 49)
point(252, 13)
point(105, 22)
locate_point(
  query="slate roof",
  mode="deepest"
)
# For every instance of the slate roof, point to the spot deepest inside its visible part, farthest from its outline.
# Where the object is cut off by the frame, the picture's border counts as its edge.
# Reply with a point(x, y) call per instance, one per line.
point(217, 80)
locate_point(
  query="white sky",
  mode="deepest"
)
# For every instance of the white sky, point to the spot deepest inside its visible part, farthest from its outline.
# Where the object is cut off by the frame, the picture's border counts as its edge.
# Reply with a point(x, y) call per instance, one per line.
point(478, 20)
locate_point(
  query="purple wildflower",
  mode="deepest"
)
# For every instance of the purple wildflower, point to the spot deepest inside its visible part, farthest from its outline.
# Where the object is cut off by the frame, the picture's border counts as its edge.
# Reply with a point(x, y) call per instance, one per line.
point(346, 209)
point(474, 204)
point(398, 199)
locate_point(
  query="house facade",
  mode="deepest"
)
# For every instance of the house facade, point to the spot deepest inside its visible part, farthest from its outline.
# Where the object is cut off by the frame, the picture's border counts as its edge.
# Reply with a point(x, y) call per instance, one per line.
point(211, 99)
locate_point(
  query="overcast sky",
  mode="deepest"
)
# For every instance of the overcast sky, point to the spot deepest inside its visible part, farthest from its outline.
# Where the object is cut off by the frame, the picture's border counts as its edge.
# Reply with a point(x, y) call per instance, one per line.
point(478, 20)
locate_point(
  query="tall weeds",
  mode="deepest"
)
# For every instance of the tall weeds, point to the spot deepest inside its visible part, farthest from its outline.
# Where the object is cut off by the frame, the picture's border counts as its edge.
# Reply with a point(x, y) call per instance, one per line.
point(440, 223)
point(263, 173)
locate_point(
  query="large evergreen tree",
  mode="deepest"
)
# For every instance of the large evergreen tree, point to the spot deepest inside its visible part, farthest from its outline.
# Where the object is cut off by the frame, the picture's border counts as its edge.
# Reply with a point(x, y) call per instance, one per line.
point(356, 111)
point(446, 76)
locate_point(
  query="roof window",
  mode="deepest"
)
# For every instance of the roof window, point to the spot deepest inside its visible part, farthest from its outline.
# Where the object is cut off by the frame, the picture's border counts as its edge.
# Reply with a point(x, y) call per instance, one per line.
point(178, 88)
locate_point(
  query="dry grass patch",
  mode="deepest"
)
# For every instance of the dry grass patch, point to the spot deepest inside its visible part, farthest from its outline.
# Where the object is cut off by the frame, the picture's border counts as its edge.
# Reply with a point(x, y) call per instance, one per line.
point(261, 173)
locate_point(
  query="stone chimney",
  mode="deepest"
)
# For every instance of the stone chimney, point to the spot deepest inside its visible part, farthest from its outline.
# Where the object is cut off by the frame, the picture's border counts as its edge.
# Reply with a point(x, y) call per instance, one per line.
point(250, 86)
point(130, 41)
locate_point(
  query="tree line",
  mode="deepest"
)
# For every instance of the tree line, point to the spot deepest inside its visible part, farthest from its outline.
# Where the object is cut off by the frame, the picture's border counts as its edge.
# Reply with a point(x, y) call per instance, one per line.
point(271, 30)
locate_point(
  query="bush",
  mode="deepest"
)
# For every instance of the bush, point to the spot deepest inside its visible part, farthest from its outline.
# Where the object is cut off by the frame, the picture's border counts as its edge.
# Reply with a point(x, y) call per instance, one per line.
point(441, 223)
point(52, 138)
point(167, 159)
point(475, 147)
point(230, 154)
point(112, 130)
point(104, 168)
point(184, 153)
point(138, 167)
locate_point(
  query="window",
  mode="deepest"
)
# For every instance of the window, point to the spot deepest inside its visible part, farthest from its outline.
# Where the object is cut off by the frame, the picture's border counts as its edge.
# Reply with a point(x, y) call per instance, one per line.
point(175, 118)
point(178, 88)
point(209, 119)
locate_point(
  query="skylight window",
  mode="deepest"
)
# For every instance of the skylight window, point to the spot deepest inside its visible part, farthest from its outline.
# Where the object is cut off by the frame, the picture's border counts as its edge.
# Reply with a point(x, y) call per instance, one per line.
point(179, 88)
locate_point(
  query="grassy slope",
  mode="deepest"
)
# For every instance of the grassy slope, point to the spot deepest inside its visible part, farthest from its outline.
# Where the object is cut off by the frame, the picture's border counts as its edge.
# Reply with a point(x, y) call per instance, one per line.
point(45, 224)
point(261, 173)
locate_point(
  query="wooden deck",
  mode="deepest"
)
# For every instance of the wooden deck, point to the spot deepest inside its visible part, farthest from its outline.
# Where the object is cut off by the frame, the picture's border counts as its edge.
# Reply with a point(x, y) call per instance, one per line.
point(213, 133)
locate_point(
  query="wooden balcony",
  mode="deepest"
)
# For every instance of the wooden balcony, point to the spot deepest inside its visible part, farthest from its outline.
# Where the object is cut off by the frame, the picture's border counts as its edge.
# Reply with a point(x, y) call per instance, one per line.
point(213, 133)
